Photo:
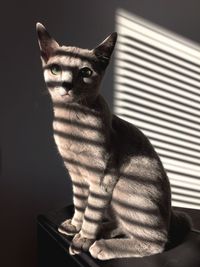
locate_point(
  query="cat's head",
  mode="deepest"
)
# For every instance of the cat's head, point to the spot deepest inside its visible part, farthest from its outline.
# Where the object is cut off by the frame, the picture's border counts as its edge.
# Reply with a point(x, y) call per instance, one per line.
point(73, 74)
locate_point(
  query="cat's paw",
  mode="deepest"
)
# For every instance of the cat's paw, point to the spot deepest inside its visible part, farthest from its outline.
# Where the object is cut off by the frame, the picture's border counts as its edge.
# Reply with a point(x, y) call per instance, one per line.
point(68, 228)
point(100, 251)
point(80, 243)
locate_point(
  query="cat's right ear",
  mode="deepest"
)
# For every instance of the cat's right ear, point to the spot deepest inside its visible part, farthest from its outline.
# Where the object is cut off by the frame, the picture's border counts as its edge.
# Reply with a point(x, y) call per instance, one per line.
point(46, 43)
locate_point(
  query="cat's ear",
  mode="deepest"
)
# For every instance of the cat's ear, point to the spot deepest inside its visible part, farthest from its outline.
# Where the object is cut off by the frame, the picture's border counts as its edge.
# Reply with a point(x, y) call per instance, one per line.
point(46, 42)
point(104, 50)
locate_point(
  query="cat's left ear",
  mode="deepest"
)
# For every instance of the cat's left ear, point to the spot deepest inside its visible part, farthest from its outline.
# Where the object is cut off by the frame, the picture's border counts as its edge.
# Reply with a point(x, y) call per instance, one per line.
point(104, 50)
point(46, 42)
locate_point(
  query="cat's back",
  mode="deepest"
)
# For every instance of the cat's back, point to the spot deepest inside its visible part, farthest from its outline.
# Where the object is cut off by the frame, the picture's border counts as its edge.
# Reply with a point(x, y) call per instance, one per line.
point(135, 153)
point(143, 183)
point(129, 138)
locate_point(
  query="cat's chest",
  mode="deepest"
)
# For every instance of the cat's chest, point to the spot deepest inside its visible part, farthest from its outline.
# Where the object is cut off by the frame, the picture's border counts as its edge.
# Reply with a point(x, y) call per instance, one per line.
point(81, 139)
point(68, 136)
point(77, 134)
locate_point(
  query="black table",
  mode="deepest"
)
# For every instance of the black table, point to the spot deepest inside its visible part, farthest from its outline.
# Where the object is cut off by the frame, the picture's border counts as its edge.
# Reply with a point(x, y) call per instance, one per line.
point(53, 247)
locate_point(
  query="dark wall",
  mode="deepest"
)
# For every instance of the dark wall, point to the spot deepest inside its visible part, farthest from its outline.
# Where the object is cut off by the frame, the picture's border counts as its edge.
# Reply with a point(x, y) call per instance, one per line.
point(33, 179)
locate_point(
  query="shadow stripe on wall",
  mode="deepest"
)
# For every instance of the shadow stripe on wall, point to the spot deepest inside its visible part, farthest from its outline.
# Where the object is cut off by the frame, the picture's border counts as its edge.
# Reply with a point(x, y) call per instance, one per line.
point(157, 88)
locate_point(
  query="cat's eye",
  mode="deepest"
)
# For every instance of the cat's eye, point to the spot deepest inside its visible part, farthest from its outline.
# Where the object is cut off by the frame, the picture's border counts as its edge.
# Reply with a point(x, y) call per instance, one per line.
point(55, 69)
point(85, 72)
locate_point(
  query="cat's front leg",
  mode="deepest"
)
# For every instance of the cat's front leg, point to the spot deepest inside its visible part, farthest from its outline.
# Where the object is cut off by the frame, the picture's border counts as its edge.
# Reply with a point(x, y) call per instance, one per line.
point(98, 201)
point(80, 196)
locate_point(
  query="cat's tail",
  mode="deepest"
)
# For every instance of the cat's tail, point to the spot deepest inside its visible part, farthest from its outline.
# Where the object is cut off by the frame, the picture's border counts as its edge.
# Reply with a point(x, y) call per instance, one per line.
point(180, 226)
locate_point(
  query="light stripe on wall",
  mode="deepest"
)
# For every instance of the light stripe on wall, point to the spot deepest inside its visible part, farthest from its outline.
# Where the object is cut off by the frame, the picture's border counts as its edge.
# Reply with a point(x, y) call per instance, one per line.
point(157, 88)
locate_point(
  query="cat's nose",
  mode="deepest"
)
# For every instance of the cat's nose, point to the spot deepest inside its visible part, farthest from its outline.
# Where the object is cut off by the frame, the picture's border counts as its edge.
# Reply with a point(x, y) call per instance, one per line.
point(67, 86)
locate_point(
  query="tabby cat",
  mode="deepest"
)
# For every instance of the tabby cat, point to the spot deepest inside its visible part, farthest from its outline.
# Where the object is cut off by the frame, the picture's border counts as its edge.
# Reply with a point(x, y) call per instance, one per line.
point(121, 193)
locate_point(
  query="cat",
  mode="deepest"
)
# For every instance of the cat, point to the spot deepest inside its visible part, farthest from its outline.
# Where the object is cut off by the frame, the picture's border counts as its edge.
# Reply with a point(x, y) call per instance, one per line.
point(121, 193)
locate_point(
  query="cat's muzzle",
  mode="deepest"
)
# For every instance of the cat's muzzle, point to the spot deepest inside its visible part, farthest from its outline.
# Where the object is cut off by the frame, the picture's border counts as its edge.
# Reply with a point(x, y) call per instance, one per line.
point(65, 89)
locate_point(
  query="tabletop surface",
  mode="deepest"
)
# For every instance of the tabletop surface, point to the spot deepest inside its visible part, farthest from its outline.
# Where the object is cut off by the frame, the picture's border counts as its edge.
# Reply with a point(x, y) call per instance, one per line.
point(186, 254)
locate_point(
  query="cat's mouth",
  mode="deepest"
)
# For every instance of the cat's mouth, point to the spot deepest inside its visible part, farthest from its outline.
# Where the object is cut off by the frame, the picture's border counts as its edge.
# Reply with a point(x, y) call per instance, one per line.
point(66, 95)
point(63, 91)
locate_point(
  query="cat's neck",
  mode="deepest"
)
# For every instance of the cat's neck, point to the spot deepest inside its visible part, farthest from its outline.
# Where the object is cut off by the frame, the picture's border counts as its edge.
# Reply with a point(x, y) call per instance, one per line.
point(77, 110)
